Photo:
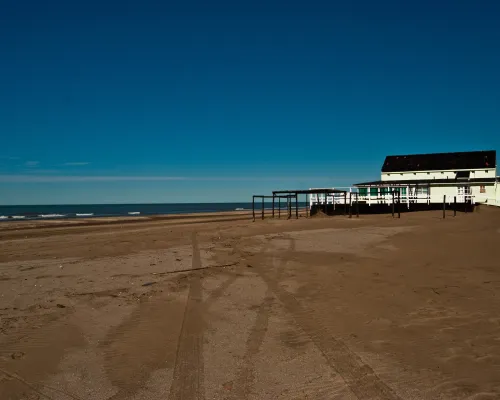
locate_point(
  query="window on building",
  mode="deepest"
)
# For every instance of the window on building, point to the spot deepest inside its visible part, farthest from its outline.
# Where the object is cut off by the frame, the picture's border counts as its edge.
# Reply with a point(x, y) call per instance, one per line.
point(363, 191)
point(397, 190)
point(463, 190)
point(384, 190)
point(482, 189)
point(422, 191)
point(374, 192)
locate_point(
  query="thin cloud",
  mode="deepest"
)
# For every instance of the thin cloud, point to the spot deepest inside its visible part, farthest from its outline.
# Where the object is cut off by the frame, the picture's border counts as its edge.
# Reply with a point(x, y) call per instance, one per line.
point(69, 178)
point(111, 178)
point(32, 163)
point(42, 171)
point(76, 164)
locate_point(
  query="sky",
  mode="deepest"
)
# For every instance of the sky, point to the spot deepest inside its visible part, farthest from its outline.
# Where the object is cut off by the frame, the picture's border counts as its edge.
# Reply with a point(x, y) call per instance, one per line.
point(195, 101)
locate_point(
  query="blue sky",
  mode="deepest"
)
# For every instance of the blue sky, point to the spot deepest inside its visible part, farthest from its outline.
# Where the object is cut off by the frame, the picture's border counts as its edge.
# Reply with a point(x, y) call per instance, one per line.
point(149, 101)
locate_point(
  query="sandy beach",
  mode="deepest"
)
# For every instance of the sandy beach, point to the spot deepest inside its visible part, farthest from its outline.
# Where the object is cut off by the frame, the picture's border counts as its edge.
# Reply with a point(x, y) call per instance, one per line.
point(219, 307)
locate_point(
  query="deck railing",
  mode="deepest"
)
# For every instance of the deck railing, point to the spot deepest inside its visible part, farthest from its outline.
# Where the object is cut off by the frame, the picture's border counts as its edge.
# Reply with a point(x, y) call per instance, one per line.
point(389, 198)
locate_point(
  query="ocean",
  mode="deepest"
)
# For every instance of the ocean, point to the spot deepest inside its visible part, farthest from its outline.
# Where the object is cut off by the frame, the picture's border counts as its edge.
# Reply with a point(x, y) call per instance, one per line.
point(15, 213)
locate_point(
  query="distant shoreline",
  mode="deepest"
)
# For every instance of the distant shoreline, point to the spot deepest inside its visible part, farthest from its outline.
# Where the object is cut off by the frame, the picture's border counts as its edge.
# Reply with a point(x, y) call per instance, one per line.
point(182, 218)
point(67, 212)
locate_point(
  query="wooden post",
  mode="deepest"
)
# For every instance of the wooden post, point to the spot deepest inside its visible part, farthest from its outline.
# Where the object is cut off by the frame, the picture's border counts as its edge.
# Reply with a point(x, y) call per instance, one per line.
point(393, 204)
point(465, 203)
point(307, 205)
point(357, 205)
point(350, 204)
point(253, 208)
point(455, 206)
point(273, 205)
point(399, 204)
point(444, 206)
point(296, 206)
point(289, 205)
point(279, 206)
point(345, 203)
point(324, 203)
point(262, 207)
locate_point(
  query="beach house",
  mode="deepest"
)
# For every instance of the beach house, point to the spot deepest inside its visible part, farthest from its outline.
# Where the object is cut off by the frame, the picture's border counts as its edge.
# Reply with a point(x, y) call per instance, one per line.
point(424, 181)
point(433, 178)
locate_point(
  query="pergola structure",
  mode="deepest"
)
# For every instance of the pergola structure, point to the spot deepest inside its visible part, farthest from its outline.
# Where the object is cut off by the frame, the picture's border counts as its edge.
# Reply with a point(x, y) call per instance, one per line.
point(289, 195)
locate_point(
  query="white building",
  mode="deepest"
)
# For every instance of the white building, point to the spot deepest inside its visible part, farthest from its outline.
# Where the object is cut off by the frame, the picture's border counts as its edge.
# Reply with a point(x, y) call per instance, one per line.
point(428, 178)
point(423, 180)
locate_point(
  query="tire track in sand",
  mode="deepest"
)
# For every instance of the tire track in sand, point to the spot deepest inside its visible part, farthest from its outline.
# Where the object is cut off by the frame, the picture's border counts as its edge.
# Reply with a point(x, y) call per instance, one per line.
point(359, 377)
point(188, 379)
point(245, 375)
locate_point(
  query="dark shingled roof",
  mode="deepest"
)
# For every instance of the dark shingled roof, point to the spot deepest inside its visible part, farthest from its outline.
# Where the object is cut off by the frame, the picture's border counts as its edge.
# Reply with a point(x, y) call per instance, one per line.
point(440, 161)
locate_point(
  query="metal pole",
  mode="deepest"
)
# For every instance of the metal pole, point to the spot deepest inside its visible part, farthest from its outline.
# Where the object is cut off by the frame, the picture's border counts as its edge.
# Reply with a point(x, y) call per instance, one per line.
point(253, 208)
point(444, 206)
point(455, 206)
point(262, 207)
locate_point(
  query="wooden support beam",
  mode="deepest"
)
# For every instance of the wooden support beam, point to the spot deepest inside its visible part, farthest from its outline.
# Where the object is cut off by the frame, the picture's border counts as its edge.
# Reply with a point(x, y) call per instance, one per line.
point(399, 204)
point(393, 204)
point(307, 205)
point(455, 206)
point(357, 205)
point(253, 208)
point(350, 204)
point(296, 206)
point(444, 206)
point(273, 205)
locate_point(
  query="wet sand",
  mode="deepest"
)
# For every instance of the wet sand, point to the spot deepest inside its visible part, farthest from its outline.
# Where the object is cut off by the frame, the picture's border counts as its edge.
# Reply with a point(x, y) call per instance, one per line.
point(223, 308)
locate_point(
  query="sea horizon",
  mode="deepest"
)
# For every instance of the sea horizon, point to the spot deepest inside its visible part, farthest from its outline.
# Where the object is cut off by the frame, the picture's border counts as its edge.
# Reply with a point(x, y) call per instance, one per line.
point(66, 211)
